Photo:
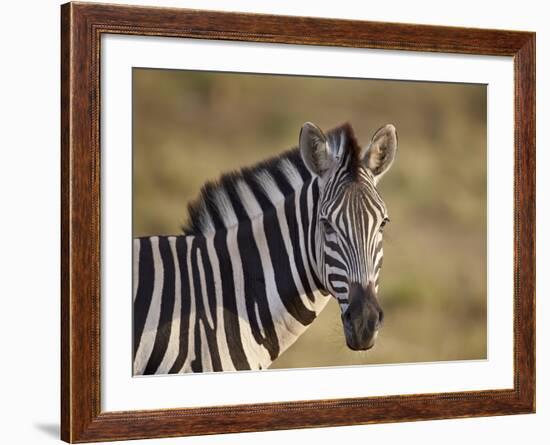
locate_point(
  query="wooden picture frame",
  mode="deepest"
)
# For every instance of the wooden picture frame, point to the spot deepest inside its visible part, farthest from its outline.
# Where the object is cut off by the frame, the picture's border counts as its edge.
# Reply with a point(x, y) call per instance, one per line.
point(82, 25)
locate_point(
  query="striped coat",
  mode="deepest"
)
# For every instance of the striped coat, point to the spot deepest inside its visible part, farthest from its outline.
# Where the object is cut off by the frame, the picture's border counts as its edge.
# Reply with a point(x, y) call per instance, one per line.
point(243, 282)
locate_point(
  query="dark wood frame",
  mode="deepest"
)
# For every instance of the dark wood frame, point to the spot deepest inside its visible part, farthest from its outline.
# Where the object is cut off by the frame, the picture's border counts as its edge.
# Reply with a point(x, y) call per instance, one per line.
point(81, 28)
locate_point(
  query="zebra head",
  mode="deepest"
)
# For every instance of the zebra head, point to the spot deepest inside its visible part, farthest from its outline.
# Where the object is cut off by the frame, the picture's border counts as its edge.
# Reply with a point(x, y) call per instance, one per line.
point(350, 218)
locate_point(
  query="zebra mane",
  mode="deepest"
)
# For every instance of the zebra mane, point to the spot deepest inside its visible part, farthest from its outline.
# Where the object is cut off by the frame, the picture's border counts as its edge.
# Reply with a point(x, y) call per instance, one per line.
point(272, 179)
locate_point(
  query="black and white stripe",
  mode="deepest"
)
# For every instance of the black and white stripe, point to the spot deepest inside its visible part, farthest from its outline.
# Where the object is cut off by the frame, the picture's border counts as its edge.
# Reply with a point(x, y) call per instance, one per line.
point(261, 252)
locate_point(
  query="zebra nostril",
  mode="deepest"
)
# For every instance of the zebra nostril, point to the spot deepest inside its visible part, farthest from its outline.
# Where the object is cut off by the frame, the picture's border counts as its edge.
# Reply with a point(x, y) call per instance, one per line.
point(372, 324)
point(380, 317)
point(348, 322)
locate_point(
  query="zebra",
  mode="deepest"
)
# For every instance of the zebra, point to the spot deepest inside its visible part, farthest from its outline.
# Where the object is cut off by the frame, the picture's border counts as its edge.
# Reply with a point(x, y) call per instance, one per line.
point(263, 251)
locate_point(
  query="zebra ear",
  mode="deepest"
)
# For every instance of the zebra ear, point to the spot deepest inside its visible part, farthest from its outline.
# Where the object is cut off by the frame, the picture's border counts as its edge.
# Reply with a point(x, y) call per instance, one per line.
point(380, 153)
point(314, 149)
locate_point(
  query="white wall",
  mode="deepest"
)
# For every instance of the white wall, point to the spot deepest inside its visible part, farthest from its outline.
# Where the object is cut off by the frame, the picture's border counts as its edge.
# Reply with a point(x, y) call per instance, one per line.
point(29, 220)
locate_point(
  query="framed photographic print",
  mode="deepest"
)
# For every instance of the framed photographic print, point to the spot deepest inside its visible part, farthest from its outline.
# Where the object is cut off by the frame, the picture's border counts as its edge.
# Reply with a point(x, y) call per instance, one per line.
point(275, 222)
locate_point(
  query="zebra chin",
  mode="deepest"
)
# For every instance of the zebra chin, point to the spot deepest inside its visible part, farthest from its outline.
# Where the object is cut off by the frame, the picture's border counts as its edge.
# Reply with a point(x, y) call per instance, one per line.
point(363, 344)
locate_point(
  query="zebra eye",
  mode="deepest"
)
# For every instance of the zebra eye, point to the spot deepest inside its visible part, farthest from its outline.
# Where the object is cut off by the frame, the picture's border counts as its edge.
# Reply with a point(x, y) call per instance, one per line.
point(384, 222)
point(329, 230)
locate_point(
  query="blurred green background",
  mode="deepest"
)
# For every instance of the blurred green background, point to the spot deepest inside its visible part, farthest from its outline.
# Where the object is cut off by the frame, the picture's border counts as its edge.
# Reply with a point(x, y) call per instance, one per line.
point(189, 127)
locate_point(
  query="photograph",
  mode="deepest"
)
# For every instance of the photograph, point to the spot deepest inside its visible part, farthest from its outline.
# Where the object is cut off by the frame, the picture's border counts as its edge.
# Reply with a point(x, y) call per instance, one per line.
point(285, 221)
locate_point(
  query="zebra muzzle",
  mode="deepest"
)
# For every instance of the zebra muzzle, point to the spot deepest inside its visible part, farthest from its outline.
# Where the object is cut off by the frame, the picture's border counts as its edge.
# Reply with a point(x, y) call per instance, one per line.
point(362, 318)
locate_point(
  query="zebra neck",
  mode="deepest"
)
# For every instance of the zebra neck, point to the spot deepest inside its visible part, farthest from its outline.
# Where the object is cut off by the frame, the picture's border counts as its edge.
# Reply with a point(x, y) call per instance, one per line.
point(274, 270)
